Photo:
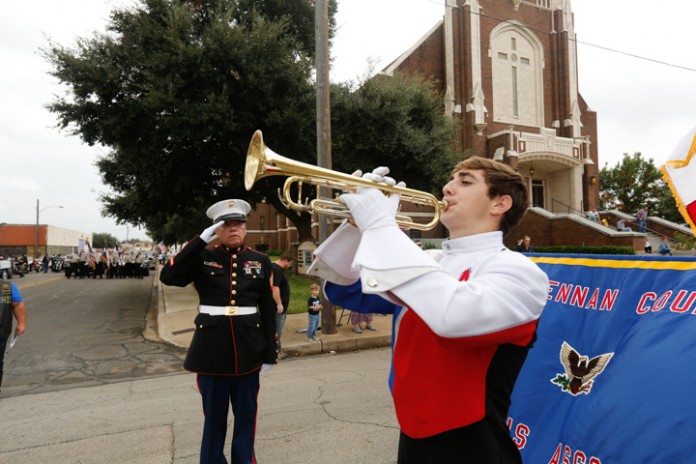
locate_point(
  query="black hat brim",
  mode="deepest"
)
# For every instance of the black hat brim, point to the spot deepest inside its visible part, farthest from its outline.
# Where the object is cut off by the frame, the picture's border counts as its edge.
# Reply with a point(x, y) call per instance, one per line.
point(232, 217)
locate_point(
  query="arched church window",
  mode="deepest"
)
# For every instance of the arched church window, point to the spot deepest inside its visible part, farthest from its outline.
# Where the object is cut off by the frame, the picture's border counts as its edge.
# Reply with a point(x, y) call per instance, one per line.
point(517, 76)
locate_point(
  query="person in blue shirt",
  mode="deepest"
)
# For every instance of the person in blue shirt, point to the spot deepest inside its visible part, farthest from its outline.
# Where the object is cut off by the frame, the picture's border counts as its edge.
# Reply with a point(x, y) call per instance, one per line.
point(11, 304)
point(664, 248)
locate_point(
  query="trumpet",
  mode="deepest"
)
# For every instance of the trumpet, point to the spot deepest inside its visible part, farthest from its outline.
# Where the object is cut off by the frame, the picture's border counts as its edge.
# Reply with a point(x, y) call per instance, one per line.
point(262, 162)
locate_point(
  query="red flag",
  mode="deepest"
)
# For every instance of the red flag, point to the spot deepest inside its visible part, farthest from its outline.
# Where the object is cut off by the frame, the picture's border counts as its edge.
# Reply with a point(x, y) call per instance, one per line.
point(680, 174)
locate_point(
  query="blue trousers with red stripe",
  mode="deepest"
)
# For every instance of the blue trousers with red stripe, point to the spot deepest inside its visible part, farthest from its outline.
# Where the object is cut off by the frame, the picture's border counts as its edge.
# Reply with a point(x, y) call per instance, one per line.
point(217, 392)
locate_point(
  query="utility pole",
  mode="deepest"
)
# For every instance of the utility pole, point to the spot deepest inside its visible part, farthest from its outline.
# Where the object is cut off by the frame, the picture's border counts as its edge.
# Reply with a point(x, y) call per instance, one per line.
point(321, 27)
point(36, 237)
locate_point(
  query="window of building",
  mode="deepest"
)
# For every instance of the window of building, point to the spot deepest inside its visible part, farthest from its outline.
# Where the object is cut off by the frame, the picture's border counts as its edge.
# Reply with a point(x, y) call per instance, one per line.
point(517, 76)
point(542, 3)
point(538, 194)
point(515, 105)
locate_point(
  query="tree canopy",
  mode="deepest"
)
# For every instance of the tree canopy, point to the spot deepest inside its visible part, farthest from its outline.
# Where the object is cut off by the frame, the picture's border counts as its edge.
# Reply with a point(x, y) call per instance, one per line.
point(397, 122)
point(104, 240)
point(634, 183)
point(176, 92)
point(175, 89)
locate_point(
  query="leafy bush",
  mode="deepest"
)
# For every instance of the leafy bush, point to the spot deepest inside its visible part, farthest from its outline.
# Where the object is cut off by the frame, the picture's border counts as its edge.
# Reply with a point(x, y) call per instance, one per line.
point(684, 242)
point(586, 250)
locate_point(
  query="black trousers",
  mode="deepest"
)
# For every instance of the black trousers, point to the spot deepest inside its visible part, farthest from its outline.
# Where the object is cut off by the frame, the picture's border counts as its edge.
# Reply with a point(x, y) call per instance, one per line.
point(480, 443)
point(217, 393)
point(3, 345)
point(5, 333)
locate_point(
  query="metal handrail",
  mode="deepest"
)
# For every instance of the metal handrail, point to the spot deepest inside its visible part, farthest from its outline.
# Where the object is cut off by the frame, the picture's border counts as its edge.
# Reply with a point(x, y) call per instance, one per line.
point(670, 238)
point(570, 208)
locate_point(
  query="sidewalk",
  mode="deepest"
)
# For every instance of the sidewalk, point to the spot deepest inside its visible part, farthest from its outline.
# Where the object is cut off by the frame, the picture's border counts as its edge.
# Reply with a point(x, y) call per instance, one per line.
point(177, 310)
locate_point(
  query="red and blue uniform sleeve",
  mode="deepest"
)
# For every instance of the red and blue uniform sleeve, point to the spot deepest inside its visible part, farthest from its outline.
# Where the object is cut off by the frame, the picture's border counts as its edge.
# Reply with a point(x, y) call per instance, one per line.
point(352, 297)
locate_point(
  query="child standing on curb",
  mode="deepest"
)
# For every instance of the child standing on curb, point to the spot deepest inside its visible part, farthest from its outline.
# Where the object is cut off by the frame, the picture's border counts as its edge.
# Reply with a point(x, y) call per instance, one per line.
point(313, 310)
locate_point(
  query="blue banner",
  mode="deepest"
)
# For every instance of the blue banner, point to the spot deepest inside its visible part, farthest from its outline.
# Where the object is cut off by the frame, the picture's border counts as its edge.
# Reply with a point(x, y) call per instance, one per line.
point(611, 378)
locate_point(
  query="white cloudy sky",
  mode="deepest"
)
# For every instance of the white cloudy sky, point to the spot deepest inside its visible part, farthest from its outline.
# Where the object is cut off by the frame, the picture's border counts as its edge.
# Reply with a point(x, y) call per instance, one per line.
point(644, 98)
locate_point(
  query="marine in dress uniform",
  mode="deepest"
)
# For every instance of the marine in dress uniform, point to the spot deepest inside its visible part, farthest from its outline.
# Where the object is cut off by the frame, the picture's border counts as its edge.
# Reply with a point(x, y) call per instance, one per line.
point(235, 336)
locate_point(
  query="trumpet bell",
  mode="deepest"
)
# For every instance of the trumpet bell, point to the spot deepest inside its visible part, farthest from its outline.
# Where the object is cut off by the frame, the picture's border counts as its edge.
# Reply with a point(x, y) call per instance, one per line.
point(253, 166)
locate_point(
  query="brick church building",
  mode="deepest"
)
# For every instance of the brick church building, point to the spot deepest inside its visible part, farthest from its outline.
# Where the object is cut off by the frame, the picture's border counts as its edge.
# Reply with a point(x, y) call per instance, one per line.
point(508, 70)
point(508, 73)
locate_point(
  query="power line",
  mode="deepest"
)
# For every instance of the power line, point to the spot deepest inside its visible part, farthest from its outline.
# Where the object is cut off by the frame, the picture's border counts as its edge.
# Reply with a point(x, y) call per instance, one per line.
point(632, 55)
point(601, 47)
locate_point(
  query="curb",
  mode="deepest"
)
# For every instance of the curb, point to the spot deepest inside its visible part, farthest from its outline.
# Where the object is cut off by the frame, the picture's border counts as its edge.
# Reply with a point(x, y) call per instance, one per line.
point(338, 345)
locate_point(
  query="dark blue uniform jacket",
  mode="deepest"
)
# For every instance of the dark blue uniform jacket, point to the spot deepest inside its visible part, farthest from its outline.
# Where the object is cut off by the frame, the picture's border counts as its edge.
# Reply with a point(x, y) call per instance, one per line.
point(227, 345)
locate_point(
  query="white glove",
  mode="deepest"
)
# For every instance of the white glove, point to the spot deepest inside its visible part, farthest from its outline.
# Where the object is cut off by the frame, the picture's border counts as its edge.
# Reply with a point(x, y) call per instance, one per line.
point(266, 367)
point(369, 207)
point(207, 234)
point(377, 175)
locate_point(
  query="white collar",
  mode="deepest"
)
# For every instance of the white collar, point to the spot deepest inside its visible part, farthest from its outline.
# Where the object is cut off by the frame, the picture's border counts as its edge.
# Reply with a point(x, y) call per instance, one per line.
point(474, 243)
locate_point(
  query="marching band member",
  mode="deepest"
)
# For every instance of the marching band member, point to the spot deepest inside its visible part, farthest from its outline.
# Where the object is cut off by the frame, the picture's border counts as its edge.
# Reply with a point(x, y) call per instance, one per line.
point(464, 319)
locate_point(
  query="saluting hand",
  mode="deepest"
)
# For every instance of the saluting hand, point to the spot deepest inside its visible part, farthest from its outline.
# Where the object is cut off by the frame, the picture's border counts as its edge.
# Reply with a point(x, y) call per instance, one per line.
point(207, 234)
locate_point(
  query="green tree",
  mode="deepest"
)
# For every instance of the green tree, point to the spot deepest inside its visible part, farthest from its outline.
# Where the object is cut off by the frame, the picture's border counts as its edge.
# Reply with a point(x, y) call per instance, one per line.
point(630, 185)
point(666, 206)
point(176, 88)
point(397, 122)
point(299, 16)
point(104, 240)
point(175, 91)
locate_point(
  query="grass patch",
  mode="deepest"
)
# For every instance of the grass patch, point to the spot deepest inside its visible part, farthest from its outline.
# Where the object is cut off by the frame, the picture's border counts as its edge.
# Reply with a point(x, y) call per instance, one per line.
point(299, 291)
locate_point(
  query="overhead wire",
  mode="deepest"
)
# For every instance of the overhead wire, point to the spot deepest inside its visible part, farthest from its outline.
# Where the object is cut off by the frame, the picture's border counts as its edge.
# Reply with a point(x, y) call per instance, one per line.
point(573, 39)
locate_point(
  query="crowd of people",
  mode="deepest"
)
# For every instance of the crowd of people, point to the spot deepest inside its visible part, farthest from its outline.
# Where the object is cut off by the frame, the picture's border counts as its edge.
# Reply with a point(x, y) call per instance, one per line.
point(641, 220)
point(110, 264)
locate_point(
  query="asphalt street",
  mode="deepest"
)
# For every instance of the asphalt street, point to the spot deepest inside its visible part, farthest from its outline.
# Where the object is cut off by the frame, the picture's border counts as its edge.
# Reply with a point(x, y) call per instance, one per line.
point(98, 391)
point(324, 409)
point(84, 332)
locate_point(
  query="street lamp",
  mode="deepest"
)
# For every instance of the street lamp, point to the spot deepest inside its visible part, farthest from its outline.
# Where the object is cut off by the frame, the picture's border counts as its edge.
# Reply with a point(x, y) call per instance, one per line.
point(36, 239)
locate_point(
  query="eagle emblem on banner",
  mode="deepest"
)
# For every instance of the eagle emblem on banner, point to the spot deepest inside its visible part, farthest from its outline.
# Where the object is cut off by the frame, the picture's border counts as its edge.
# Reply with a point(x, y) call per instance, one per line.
point(580, 370)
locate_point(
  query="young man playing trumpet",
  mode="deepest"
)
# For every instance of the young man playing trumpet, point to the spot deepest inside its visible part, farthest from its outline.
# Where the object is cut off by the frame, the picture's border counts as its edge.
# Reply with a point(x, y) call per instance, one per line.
point(464, 318)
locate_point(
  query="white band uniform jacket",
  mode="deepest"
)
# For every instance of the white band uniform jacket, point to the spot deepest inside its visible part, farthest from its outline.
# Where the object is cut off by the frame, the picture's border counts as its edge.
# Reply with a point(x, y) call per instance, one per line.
point(227, 345)
point(462, 326)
